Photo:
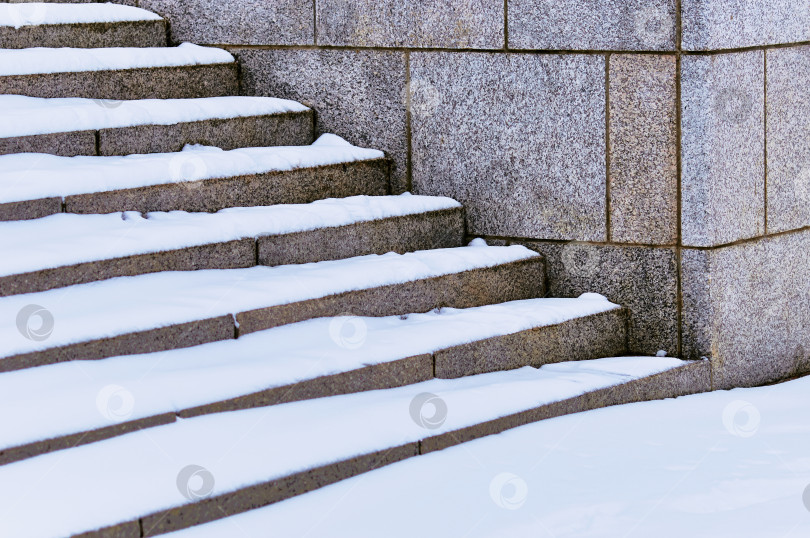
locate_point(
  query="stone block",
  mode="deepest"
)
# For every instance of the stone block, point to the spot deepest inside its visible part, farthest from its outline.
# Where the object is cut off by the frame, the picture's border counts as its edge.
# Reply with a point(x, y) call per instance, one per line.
point(643, 150)
point(602, 25)
point(723, 148)
point(413, 23)
point(359, 95)
point(518, 139)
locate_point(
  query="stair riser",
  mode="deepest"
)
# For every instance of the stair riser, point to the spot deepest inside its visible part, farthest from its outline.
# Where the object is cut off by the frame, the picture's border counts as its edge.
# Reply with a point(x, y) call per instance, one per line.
point(291, 129)
point(592, 337)
point(95, 35)
point(689, 379)
point(152, 83)
point(509, 282)
point(440, 229)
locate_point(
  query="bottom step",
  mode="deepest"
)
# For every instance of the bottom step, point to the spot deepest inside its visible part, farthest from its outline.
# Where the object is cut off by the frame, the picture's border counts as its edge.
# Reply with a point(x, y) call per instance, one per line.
point(207, 468)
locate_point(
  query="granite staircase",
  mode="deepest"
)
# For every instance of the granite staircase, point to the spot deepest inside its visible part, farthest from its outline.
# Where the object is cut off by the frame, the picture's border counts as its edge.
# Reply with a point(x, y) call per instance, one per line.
point(194, 285)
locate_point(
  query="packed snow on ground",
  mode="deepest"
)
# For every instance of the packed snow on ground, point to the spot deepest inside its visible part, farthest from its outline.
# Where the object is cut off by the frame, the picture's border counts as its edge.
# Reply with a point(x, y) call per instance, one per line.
point(30, 176)
point(42, 13)
point(36, 61)
point(26, 116)
point(60, 399)
point(128, 304)
point(134, 475)
point(719, 465)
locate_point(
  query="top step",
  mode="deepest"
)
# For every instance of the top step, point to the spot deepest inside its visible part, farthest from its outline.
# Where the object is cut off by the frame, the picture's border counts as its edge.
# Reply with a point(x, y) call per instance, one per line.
point(88, 25)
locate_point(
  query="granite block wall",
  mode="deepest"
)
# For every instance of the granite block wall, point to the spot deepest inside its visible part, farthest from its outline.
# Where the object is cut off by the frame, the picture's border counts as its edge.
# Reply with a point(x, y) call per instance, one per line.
point(656, 151)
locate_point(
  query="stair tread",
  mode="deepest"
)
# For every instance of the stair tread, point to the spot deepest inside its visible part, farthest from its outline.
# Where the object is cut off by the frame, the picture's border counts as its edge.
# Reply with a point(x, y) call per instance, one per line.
point(66, 239)
point(249, 447)
point(46, 14)
point(29, 116)
point(32, 176)
point(41, 61)
point(177, 380)
point(89, 311)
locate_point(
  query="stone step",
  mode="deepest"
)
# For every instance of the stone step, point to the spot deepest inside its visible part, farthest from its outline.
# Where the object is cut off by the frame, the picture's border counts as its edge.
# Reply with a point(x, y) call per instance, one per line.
point(198, 179)
point(187, 71)
point(64, 250)
point(172, 310)
point(246, 459)
point(313, 359)
point(88, 25)
point(71, 127)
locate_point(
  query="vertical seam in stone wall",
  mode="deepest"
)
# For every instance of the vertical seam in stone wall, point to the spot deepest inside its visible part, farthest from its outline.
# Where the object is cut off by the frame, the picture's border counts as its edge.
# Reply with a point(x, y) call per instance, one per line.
point(408, 143)
point(678, 174)
point(765, 137)
point(608, 232)
point(505, 24)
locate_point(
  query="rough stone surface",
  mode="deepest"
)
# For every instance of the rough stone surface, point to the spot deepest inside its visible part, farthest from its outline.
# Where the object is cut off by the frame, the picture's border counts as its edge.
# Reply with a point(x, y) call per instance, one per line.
point(643, 150)
point(413, 23)
point(152, 83)
point(731, 24)
point(359, 95)
point(723, 168)
point(30, 209)
point(788, 114)
point(410, 233)
point(514, 281)
point(246, 22)
point(287, 129)
point(97, 35)
point(590, 337)
point(641, 279)
point(64, 144)
point(602, 25)
point(518, 139)
point(753, 301)
point(298, 186)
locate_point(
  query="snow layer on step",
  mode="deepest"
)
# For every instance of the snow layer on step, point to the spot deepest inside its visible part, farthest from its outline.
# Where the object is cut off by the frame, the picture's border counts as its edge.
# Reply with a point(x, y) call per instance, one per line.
point(41, 13)
point(128, 304)
point(86, 485)
point(43, 60)
point(26, 116)
point(718, 465)
point(31, 176)
point(67, 239)
point(61, 399)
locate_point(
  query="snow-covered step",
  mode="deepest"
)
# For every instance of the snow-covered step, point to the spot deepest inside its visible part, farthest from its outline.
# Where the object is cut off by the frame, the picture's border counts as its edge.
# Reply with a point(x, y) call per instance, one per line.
point(62, 250)
point(311, 359)
point(173, 310)
point(246, 459)
point(68, 126)
point(186, 71)
point(86, 25)
point(196, 179)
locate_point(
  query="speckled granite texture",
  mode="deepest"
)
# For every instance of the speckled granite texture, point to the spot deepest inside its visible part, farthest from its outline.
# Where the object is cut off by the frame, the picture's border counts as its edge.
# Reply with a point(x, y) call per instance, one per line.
point(723, 181)
point(592, 25)
point(518, 139)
